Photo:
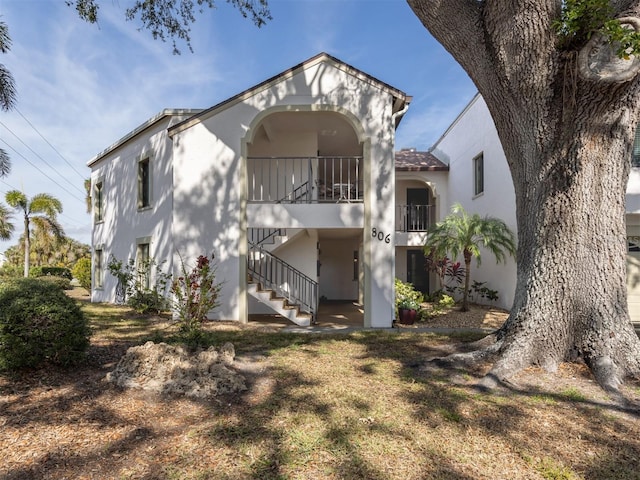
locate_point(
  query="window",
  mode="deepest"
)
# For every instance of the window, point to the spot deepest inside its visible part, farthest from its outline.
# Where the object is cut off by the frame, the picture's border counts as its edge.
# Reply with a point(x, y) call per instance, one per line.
point(143, 263)
point(144, 183)
point(478, 175)
point(635, 155)
point(98, 201)
point(98, 268)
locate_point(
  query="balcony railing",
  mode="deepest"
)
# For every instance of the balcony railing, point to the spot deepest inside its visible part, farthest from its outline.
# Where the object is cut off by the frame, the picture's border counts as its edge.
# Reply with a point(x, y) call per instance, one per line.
point(415, 218)
point(305, 179)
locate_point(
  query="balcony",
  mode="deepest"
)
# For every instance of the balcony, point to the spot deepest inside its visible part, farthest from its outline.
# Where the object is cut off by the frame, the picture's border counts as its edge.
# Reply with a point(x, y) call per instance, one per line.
point(305, 179)
point(415, 218)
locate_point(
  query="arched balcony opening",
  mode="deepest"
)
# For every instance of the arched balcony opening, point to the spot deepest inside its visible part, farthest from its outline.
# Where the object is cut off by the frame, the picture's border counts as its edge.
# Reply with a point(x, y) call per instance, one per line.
point(305, 157)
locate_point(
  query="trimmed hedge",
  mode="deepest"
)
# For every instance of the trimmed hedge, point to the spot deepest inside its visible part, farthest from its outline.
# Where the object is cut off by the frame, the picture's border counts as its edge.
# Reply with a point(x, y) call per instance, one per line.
point(50, 272)
point(39, 323)
point(82, 272)
point(61, 282)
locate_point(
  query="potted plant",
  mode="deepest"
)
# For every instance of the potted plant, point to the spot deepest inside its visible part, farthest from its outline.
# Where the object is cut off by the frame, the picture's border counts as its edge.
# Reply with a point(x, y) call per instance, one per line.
point(408, 311)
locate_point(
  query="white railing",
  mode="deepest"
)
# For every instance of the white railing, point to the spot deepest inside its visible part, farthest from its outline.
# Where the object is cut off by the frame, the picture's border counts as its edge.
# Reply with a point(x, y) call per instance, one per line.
point(305, 179)
point(415, 218)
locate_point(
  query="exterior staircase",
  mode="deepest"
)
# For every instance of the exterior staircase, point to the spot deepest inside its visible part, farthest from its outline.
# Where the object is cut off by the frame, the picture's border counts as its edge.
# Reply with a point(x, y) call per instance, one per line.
point(278, 285)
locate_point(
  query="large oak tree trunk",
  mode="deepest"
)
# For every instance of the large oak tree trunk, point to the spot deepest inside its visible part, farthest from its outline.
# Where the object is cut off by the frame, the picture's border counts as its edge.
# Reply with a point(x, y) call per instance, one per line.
point(568, 141)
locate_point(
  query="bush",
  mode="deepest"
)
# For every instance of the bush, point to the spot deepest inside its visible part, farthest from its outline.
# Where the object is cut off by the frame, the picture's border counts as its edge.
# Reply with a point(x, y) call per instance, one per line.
point(57, 272)
point(406, 294)
point(82, 272)
point(60, 282)
point(37, 272)
point(39, 323)
point(149, 301)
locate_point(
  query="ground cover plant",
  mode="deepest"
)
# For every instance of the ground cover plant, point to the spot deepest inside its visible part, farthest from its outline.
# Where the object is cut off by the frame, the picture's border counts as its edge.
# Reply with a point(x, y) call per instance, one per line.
point(319, 406)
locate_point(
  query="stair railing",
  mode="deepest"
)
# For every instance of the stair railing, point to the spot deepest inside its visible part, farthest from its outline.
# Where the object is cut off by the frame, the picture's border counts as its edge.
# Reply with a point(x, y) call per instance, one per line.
point(259, 236)
point(286, 281)
point(302, 192)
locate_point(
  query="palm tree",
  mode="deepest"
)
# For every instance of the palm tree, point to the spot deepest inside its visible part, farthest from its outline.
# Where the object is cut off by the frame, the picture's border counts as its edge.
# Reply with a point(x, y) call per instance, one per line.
point(6, 227)
point(7, 92)
point(461, 233)
point(43, 209)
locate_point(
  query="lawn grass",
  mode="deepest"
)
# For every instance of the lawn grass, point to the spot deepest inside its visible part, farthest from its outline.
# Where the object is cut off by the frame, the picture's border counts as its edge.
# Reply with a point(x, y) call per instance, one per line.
point(349, 406)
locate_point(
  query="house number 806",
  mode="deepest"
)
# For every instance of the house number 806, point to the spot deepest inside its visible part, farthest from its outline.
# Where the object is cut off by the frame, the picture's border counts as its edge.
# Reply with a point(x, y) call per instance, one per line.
point(375, 233)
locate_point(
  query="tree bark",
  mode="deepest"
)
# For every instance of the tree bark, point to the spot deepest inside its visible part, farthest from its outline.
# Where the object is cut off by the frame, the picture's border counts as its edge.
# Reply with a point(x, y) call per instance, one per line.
point(568, 142)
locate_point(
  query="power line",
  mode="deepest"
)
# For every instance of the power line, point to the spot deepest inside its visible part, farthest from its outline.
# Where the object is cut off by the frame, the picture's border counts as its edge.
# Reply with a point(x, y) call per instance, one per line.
point(72, 220)
point(36, 167)
point(49, 143)
point(42, 159)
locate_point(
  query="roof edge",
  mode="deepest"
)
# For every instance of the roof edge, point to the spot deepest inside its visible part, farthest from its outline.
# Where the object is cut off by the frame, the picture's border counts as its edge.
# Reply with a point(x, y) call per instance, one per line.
point(473, 100)
point(288, 73)
point(167, 112)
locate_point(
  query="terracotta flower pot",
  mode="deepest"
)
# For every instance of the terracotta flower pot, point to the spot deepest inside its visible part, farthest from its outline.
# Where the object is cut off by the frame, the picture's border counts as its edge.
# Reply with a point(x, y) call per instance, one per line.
point(406, 316)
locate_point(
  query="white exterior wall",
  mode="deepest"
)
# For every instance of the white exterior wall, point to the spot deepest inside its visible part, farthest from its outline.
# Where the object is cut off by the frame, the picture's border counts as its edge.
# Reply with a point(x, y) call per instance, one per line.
point(471, 134)
point(336, 259)
point(209, 178)
point(123, 222)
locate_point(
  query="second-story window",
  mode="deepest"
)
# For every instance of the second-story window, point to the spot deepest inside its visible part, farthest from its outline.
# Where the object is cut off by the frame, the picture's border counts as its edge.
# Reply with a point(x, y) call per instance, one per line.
point(98, 201)
point(144, 183)
point(478, 175)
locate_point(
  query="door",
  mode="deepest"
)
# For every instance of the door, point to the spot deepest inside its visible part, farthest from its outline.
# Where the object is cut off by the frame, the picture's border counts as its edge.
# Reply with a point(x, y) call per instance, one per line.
point(417, 201)
point(416, 270)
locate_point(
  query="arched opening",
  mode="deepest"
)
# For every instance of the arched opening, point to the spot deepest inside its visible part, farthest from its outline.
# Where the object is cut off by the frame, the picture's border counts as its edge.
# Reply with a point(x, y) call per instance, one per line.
point(304, 157)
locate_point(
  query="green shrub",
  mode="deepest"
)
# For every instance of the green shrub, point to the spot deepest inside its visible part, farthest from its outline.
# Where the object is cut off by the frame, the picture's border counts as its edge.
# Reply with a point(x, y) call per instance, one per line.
point(82, 272)
point(60, 282)
point(38, 323)
point(37, 272)
point(406, 294)
point(57, 272)
point(149, 301)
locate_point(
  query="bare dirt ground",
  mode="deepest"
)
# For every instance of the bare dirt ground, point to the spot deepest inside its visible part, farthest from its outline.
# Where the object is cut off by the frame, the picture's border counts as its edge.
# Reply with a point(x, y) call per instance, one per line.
point(318, 407)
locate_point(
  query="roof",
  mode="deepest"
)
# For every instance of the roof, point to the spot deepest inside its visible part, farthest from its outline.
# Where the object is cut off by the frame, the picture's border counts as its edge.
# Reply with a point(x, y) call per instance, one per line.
point(401, 99)
point(167, 112)
point(410, 160)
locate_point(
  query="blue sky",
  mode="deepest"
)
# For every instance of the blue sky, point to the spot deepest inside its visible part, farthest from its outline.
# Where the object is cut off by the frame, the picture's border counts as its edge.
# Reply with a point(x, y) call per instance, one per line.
point(81, 87)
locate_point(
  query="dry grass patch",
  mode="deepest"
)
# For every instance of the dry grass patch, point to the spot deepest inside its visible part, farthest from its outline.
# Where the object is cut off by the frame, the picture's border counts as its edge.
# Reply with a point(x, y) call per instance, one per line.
point(319, 407)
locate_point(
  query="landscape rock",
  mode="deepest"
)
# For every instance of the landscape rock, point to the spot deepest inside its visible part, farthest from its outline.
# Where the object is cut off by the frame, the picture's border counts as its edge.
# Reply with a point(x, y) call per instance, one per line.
point(172, 369)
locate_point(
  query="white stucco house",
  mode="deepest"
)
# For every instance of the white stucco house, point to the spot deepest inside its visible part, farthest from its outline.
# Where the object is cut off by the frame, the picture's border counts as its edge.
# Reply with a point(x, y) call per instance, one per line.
point(291, 183)
point(296, 185)
point(480, 180)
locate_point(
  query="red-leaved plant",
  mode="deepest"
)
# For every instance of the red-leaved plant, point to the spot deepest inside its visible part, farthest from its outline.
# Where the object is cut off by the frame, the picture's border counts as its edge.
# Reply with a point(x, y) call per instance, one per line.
point(195, 294)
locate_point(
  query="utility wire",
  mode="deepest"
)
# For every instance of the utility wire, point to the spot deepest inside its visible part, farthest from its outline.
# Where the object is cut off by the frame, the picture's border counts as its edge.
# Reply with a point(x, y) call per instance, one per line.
point(42, 159)
point(49, 143)
point(72, 220)
point(36, 167)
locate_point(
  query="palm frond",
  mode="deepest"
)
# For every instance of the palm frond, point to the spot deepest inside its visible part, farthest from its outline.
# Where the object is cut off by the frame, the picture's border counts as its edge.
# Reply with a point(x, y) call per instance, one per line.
point(6, 226)
point(17, 200)
point(45, 203)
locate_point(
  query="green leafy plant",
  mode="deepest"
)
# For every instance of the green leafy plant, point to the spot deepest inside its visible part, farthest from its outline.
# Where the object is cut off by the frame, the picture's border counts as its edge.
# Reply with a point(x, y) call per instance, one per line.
point(581, 19)
point(60, 282)
point(195, 294)
point(39, 323)
point(480, 290)
point(142, 287)
point(82, 272)
point(407, 296)
point(463, 234)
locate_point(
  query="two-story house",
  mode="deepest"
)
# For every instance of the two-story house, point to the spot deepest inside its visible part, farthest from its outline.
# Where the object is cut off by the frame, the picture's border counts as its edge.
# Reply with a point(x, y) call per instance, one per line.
point(291, 183)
